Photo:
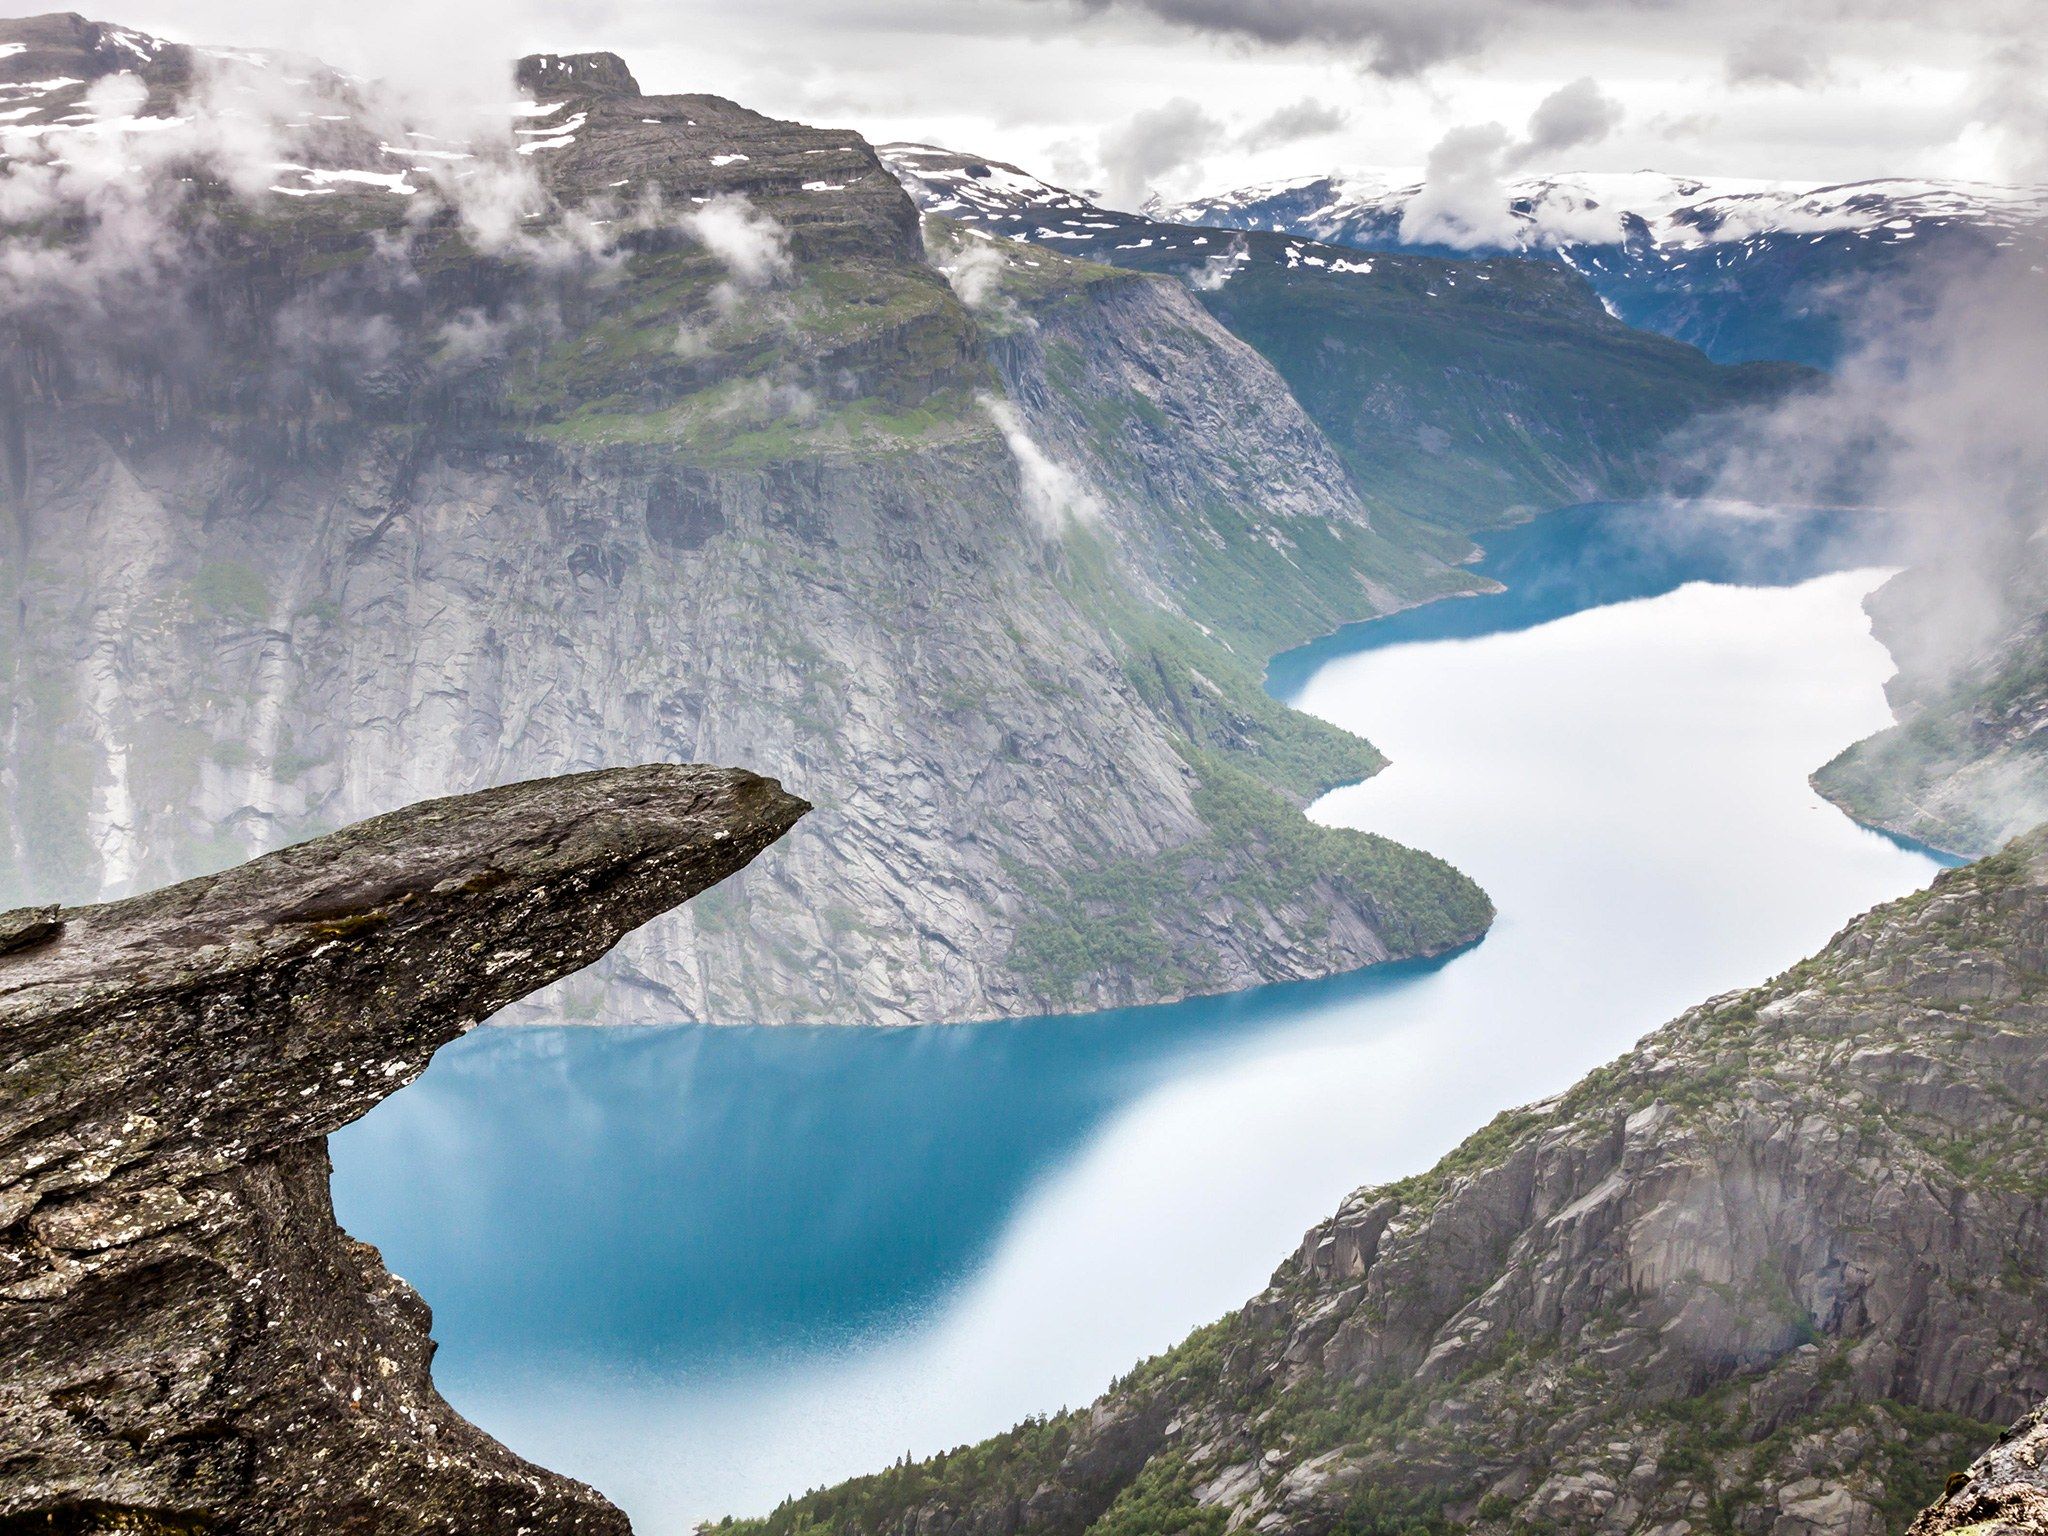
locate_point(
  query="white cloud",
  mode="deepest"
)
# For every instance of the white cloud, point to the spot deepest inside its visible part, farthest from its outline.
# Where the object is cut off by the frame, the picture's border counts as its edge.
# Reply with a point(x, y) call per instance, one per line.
point(975, 270)
point(1154, 144)
point(753, 247)
point(1464, 201)
point(1053, 494)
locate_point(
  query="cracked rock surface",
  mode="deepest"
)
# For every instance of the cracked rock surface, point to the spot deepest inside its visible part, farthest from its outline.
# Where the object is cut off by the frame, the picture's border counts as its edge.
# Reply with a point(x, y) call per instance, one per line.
point(188, 1341)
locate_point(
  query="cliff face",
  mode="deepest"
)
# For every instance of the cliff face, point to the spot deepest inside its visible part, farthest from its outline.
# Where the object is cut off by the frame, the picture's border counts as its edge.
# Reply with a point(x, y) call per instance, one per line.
point(188, 1342)
point(1777, 1271)
point(702, 459)
point(1966, 767)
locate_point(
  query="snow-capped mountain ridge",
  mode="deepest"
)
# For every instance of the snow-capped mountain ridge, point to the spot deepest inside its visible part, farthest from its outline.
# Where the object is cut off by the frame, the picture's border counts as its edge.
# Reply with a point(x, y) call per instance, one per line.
point(1584, 208)
point(1743, 269)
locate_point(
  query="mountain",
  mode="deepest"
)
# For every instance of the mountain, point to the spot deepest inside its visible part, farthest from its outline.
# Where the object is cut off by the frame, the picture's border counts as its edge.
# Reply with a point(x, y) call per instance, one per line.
point(1460, 393)
point(1776, 1270)
point(352, 461)
point(1744, 270)
point(359, 450)
point(188, 1342)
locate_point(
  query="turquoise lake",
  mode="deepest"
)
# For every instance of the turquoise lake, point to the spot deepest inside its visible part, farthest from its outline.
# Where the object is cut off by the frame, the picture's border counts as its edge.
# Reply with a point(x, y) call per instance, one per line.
point(705, 1268)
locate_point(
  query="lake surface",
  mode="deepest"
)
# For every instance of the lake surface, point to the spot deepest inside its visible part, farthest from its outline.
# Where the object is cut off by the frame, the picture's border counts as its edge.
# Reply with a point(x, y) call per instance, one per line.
point(707, 1268)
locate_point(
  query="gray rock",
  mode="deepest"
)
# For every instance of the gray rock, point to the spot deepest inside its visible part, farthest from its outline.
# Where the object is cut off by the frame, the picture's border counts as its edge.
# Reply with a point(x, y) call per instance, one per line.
point(187, 1339)
point(2005, 1491)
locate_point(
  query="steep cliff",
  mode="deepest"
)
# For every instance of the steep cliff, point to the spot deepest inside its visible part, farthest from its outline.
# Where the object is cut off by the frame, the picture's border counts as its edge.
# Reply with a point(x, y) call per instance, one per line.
point(1966, 767)
point(188, 1342)
point(1778, 1270)
point(651, 433)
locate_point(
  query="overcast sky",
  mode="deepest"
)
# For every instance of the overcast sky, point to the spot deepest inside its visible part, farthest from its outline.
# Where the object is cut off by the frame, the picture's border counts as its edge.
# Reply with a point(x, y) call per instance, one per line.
point(1184, 96)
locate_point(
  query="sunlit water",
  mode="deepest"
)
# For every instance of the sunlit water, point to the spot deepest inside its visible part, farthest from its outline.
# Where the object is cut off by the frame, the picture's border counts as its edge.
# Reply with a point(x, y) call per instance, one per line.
point(704, 1269)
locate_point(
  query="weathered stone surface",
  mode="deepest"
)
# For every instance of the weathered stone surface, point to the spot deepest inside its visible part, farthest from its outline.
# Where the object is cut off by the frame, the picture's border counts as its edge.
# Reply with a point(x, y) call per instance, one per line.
point(1776, 1271)
point(188, 1341)
point(2005, 1491)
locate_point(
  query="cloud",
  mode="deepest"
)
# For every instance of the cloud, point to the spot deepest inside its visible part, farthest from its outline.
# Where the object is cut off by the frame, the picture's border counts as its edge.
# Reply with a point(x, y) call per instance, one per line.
point(753, 247)
point(1400, 37)
point(1777, 56)
point(1304, 119)
point(1053, 494)
point(127, 187)
point(1936, 417)
point(1219, 269)
point(1569, 117)
point(2009, 104)
point(975, 270)
point(1153, 144)
point(1463, 201)
point(1937, 409)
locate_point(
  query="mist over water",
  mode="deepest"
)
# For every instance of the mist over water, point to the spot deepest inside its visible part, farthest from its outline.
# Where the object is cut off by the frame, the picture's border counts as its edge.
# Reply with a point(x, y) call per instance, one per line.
point(705, 1269)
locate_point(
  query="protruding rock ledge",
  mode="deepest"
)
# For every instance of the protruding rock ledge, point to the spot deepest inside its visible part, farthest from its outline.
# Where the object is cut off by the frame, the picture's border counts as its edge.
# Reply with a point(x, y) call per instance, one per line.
point(188, 1342)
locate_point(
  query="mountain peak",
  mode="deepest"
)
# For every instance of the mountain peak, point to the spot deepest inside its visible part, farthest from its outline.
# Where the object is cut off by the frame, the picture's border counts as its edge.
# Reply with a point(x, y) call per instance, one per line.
point(581, 74)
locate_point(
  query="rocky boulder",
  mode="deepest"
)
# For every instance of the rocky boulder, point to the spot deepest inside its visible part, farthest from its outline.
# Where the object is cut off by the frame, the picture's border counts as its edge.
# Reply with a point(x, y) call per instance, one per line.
point(188, 1341)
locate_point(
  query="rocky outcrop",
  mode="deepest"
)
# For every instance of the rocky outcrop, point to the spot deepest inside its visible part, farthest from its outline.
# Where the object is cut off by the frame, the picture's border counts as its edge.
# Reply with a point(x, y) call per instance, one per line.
point(188, 1342)
point(2004, 1492)
point(1777, 1271)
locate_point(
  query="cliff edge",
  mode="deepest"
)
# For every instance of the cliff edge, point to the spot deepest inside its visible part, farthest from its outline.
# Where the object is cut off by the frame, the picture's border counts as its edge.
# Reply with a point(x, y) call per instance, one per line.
point(188, 1341)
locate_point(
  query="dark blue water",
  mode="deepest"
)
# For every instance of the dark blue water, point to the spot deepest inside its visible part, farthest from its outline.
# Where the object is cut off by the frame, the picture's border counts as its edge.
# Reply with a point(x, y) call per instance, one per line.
point(635, 1191)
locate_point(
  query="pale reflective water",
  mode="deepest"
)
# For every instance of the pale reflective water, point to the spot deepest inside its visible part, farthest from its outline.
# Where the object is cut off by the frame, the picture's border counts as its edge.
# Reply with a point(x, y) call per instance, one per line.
point(704, 1269)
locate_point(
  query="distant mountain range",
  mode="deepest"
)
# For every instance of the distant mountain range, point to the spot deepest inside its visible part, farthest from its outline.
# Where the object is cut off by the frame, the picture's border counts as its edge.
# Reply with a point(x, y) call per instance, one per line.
point(1741, 269)
point(1461, 391)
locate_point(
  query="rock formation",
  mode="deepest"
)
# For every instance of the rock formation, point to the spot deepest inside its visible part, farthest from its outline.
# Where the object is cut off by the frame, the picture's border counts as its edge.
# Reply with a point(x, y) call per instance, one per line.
point(2005, 1491)
point(188, 1341)
point(1778, 1271)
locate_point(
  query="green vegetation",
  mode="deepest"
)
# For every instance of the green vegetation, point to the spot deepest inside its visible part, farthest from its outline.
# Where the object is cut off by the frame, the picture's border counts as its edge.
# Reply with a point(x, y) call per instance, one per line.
point(227, 589)
point(1966, 770)
point(854, 353)
point(1468, 393)
point(1260, 857)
